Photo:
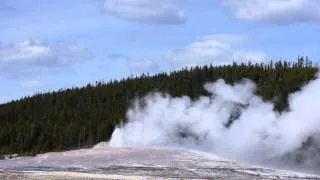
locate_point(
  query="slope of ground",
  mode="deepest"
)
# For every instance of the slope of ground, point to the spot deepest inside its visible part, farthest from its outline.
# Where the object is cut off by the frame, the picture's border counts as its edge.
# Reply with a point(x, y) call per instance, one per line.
point(136, 163)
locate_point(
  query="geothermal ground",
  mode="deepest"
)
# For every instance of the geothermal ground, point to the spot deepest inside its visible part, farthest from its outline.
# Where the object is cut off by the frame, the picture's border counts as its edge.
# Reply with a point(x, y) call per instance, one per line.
point(137, 163)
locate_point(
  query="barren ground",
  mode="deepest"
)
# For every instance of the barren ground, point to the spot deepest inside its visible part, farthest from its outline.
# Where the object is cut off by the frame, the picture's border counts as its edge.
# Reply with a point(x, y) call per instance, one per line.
point(136, 163)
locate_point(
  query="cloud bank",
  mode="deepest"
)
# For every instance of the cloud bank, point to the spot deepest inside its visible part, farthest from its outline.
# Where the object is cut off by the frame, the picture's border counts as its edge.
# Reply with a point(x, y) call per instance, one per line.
point(216, 49)
point(30, 57)
point(274, 11)
point(146, 11)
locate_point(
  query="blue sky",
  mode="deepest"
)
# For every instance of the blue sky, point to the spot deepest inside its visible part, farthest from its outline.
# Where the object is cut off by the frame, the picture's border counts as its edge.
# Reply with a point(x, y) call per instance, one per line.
point(48, 45)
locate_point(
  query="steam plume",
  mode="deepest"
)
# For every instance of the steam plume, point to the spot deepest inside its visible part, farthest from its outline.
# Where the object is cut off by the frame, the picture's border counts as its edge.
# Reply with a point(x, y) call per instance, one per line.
point(232, 122)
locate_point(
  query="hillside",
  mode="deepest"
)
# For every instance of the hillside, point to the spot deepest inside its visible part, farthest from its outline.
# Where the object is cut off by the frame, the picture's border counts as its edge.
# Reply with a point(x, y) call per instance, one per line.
point(81, 117)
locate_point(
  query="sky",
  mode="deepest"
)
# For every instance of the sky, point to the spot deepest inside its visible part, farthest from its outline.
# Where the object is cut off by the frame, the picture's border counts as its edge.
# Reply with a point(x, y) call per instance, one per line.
point(51, 45)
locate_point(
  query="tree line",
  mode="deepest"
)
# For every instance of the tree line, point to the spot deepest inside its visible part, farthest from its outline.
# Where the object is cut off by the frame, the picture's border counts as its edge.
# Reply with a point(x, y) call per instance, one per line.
point(83, 116)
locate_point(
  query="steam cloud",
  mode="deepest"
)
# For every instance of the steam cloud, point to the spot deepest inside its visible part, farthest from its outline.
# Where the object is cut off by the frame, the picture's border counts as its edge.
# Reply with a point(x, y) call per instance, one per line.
point(232, 122)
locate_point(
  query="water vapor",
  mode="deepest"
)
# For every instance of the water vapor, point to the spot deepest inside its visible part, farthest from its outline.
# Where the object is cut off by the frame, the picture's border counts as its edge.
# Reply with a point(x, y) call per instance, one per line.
point(232, 121)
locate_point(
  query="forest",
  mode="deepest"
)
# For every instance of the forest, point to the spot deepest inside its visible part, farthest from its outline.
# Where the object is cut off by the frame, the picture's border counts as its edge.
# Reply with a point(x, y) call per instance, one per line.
point(80, 117)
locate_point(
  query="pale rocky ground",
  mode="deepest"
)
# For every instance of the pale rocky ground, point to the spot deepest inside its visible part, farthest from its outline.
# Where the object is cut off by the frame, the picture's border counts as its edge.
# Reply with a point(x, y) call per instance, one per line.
point(137, 163)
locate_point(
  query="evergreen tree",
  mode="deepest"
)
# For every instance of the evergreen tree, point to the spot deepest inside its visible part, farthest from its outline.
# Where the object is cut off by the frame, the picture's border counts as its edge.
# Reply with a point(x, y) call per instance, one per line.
point(81, 117)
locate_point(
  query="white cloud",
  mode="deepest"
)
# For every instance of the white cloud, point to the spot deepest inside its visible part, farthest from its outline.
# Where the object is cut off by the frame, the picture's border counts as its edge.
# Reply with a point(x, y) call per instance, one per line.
point(29, 57)
point(274, 11)
point(147, 11)
point(214, 49)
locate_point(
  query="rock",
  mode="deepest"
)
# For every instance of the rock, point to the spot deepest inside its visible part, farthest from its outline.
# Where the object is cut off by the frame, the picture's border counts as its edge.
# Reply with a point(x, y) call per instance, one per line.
point(10, 156)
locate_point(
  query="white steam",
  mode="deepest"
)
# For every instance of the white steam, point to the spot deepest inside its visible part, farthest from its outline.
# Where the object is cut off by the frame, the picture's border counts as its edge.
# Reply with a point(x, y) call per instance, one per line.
point(232, 121)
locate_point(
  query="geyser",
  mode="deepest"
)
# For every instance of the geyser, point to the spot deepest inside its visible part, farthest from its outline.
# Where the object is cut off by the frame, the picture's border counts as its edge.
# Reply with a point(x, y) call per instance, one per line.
point(232, 121)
